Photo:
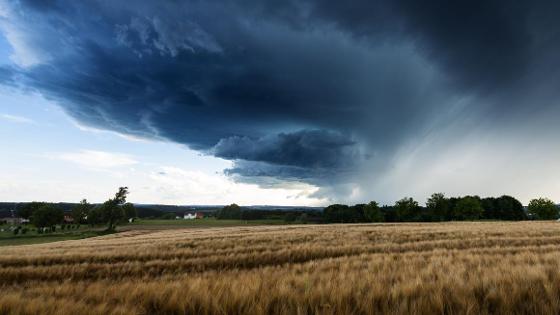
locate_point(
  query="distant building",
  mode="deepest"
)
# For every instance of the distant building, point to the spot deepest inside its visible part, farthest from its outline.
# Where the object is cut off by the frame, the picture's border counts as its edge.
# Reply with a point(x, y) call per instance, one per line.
point(189, 216)
point(68, 219)
point(193, 215)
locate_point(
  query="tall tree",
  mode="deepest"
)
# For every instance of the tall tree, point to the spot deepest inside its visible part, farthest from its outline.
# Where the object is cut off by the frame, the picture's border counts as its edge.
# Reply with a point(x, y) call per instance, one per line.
point(438, 207)
point(111, 210)
point(95, 216)
point(543, 209)
point(336, 213)
point(490, 211)
point(130, 211)
point(509, 208)
point(26, 210)
point(373, 213)
point(81, 211)
point(47, 216)
point(232, 211)
point(408, 210)
point(468, 208)
point(356, 213)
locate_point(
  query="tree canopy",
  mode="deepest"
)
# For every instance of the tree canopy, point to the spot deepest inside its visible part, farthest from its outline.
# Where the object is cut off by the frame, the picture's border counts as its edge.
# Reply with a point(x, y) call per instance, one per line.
point(81, 211)
point(47, 216)
point(468, 208)
point(438, 208)
point(232, 212)
point(26, 211)
point(543, 209)
point(373, 213)
point(408, 209)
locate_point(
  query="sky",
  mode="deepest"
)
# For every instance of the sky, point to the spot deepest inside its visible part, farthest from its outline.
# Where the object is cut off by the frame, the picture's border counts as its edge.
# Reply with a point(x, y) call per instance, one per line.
point(305, 102)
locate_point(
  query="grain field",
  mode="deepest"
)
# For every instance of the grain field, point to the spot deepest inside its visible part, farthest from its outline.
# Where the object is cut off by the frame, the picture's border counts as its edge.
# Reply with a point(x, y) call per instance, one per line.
point(417, 268)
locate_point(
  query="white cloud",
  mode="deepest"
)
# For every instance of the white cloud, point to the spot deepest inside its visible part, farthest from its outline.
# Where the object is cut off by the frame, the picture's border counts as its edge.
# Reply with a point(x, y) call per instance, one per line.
point(17, 119)
point(174, 185)
point(94, 130)
point(97, 159)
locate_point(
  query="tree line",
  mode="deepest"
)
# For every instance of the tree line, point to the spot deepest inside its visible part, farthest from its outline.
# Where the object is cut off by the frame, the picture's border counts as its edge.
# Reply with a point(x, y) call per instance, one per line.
point(110, 213)
point(440, 208)
point(235, 212)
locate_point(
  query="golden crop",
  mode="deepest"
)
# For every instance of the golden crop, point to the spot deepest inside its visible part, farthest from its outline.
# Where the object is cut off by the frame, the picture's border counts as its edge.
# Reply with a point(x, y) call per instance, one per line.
point(417, 268)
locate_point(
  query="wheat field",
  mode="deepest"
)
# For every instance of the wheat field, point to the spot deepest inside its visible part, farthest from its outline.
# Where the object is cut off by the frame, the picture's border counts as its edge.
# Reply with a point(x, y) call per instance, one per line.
point(418, 268)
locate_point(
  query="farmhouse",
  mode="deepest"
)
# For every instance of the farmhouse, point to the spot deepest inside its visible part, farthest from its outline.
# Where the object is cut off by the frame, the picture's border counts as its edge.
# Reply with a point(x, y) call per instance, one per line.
point(193, 215)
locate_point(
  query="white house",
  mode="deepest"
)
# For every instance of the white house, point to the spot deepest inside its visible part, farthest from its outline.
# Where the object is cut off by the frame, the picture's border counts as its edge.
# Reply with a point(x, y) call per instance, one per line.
point(189, 216)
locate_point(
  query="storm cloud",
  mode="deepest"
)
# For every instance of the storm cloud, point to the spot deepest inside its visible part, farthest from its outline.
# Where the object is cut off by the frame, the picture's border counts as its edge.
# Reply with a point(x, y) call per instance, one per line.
point(322, 92)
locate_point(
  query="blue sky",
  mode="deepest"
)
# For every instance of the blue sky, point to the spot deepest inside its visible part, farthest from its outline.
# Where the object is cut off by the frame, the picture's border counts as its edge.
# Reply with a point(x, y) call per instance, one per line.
point(292, 102)
point(49, 156)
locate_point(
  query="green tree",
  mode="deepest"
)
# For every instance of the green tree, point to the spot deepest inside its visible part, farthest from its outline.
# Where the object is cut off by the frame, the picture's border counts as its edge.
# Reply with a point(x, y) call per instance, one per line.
point(231, 212)
point(407, 209)
point(336, 213)
point(373, 213)
point(438, 207)
point(543, 209)
point(509, 208)
point(356, 213)
point(468, 208)
point(95, 216)
point(130, 211)
point(26, 211)
point(111, 211)
point(47, 216)
point(489, 205)
point(81, 211)
point(111, 214)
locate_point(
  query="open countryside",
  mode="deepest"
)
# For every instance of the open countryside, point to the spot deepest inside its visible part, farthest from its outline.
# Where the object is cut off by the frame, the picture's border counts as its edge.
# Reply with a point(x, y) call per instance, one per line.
point(292, 157)
point(399, 268)
point(104, 259)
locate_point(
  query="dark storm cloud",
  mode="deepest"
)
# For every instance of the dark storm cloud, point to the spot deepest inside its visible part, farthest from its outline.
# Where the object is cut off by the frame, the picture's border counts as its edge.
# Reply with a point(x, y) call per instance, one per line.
point(479, 42)
point(290, 90)
point(310, 155)
point(306, 148)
